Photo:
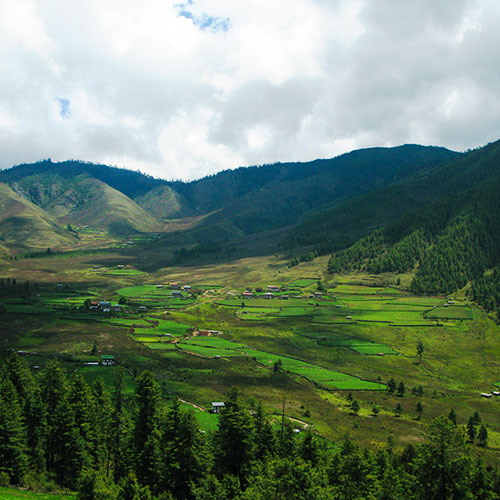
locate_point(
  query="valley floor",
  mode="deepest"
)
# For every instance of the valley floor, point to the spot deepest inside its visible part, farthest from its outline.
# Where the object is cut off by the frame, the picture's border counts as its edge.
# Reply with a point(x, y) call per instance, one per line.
point(314, 353)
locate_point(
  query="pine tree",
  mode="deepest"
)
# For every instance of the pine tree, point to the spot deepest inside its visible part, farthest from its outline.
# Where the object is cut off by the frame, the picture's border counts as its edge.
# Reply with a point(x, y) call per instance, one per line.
point(13, 457)
point(121, 437)
point(401, 389)
point(185, 456)
point(391, 385)
point(263, 438)
point(398, 410)
point(309, 449)
point(147, 436)
point(453, 416)
point(420, 410)
point(233, 439)
point(355, 406)
point(471, 429)
point(442, 466)
point(420, 351)
point(482, 436)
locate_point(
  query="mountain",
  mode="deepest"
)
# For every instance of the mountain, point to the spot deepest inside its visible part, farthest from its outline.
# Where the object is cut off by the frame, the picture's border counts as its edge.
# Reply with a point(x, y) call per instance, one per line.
point(81, 199)
point(25, 226)
point(131, 184)
point(442, 225)
point(230, 204)
point(255, 199)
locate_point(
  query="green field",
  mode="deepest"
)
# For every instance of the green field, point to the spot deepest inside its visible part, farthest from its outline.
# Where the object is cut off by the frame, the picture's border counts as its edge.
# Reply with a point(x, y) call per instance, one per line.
point(15, 494)
point(324, 354)
point(303, 282)
point(208, 352)
point(124, 272)
point(215, 342)
point(358, 345)
point(450, 312)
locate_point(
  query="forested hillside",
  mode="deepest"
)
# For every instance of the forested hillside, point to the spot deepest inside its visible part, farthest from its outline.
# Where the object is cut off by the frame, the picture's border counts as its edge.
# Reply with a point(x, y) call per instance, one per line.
point(448, 243)
point(233, 203)
point(255, 199)
point(57, 430)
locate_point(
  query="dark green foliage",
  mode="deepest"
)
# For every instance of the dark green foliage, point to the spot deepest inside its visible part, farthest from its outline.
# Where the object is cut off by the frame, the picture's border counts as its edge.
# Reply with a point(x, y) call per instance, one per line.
point(443, 466)
point(13, 456)
point(471, 429)
point(443, 226)
point(453, 416)
point(482, 436)
point(420, 351)
point(420, 410)
point(401, 389)
point(391, 385)
point(90, 444)
point(233, 439)
point(147, 435)
point(355, 406)
point(184, 453)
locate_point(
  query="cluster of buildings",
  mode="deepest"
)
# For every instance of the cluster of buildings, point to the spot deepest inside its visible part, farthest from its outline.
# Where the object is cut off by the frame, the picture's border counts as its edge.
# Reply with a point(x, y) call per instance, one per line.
point(176, 288)
point(272, 289)
point(103, 306)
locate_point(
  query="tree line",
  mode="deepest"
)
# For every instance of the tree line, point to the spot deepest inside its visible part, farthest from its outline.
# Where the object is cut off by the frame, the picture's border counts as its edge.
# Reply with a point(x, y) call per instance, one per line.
point(57, 431)
point(445, 247)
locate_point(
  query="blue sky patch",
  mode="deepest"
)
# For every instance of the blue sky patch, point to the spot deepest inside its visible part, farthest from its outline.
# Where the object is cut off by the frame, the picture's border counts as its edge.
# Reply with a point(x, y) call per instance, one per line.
point(64, 110)
point(204, 21)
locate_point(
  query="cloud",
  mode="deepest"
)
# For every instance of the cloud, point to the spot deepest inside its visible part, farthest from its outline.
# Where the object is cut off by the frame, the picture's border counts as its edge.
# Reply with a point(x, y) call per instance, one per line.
point(181, 90)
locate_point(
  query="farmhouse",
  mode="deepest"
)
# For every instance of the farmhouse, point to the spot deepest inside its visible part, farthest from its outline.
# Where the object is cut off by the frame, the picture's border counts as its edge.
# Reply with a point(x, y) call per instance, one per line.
point(107, 360)
point(117, 308)
point(104, 306)
point(217, 406)
point(174, 285)
point(248, 295)
point(318, 295)
point(176, 293)
point(159, 286)
point(486, 395)
point(273, 288)
point(268, 295)
point(186, 288)
point(143, 308)
point(120, 266)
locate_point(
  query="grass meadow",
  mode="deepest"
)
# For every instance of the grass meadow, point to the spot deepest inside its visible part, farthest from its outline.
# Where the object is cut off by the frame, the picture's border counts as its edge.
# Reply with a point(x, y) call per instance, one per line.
point(328, 347)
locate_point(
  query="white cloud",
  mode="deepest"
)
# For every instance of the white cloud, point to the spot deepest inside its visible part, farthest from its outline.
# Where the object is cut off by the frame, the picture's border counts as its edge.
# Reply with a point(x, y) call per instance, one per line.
point(236, 83)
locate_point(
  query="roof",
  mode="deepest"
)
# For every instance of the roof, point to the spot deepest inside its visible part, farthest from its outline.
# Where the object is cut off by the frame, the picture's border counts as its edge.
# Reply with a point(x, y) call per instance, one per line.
point(218, 403)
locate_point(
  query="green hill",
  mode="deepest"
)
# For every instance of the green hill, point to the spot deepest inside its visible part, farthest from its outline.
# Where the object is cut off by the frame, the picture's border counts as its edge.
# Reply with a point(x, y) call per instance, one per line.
point(255, 199)
point(165, 203)
point(85, 200)
point(443, 226)
point(25, 226)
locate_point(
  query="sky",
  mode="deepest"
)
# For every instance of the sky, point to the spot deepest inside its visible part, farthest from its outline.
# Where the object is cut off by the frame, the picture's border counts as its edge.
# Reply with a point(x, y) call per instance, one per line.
point(185, 88)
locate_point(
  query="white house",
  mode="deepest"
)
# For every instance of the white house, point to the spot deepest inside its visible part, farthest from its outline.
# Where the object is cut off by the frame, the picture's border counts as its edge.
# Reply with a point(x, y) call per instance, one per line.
point(217, 406)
